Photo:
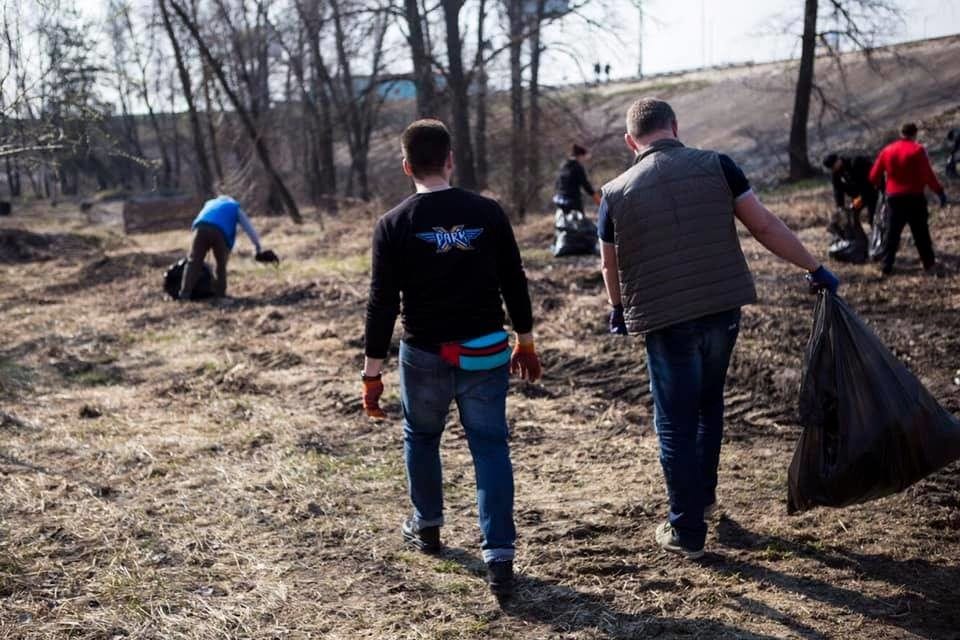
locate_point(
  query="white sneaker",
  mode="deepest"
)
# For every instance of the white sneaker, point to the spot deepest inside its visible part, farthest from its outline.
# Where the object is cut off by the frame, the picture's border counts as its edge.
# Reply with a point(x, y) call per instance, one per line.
point(668, 540)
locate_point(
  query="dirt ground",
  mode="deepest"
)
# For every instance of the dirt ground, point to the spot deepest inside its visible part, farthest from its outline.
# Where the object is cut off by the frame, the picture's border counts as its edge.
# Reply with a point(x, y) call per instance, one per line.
point(203, 470)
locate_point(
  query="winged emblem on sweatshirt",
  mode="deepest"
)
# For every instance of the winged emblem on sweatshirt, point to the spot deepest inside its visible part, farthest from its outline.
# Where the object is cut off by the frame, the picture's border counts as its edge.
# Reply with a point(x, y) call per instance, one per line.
point(458, 237)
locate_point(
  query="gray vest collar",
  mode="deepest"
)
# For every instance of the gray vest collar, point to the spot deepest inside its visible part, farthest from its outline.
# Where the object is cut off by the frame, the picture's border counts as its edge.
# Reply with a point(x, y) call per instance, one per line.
point(658, 145)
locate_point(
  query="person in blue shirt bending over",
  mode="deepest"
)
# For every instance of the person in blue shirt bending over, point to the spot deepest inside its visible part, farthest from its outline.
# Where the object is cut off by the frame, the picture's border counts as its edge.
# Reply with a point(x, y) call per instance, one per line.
point(215, 228)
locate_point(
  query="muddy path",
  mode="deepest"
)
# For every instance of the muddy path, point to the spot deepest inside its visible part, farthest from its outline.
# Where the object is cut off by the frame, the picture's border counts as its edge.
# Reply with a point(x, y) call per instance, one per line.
point(203, 470)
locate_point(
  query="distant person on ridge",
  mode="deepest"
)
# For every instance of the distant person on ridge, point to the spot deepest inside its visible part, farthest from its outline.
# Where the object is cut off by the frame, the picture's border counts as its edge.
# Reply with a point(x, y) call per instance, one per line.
point(906, 168)
point(851, 177)
point(674, 270)
point(571, 178)
point(215, 229)
point(446, 260)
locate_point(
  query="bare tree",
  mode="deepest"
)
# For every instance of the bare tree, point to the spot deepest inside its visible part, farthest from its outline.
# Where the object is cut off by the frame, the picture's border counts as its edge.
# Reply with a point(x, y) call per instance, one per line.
point(480, 80)
point(458, 82)
point(204, 179)
point(534, 172)
point(358, 100)
point(856, 23)
point(421, 59)
point(249, 125)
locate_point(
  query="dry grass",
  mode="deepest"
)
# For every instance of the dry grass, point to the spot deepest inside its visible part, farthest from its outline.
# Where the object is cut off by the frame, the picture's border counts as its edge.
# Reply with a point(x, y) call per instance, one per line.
point(203, 471)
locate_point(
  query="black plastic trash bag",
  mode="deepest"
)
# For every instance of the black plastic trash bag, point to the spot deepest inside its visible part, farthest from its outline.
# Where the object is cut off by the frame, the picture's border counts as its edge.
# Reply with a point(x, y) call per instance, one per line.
point(576, 234)
point(851, 244)
point(880, 233)
point(174, 277)
point(870, 428)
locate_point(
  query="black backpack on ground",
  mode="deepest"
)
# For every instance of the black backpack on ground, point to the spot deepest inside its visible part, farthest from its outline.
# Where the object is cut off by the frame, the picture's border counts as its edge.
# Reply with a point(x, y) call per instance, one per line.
point(576, 234)
point(174, 277)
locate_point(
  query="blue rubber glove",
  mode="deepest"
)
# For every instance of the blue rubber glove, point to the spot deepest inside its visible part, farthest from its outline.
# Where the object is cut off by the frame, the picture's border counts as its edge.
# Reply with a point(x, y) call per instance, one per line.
point(617, 324)
point(943, 199)
point(823, 278)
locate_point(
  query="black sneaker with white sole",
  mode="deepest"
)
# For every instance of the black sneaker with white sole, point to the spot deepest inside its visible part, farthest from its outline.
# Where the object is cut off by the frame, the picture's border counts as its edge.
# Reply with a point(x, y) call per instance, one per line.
point(500, 578)
point(425, 539)
point(668, 540)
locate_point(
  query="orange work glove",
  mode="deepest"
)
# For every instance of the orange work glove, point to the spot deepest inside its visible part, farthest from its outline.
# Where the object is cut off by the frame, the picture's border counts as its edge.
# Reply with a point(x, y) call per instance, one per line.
point(857, 203)
point(525, 363)
point(372, 390)
point(596, 198)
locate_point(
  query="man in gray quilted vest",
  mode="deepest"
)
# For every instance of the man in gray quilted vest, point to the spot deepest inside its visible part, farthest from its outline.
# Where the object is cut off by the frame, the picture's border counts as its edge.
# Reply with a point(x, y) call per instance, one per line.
point(674, 271)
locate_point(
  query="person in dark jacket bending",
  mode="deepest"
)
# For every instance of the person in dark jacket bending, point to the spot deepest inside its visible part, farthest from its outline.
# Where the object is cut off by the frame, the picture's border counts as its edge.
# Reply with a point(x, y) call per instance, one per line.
point(851, 177)
point(571, 179)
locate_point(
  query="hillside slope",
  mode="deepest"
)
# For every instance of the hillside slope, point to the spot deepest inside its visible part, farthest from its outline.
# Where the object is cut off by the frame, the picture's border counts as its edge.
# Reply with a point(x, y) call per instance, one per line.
point(746, 110)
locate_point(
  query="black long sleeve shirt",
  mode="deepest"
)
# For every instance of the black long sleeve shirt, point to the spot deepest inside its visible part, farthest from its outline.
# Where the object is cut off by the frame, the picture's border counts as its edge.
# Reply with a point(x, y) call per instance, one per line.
point(571, 178)
point(451, 259)
point(853, 180)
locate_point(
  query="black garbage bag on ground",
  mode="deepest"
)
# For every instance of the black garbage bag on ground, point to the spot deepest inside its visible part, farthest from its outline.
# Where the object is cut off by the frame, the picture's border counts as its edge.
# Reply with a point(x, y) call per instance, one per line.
point(880, 233)
point(849, 243)
point(870, 428)
point(174, 276)
point(576, 234)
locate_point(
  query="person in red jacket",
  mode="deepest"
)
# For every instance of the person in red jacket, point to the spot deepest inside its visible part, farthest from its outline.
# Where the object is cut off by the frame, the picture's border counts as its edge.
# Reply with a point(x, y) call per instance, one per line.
point(907, 170)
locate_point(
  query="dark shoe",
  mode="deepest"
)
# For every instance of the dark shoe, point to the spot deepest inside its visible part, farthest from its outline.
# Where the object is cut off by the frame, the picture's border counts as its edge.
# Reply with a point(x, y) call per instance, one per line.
point(500, 578)
point(426, 539)
point(668, 540)
point(934, 271)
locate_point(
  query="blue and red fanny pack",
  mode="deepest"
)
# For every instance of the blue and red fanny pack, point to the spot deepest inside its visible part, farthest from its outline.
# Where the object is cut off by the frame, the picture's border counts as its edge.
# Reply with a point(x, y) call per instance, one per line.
point(478, 354)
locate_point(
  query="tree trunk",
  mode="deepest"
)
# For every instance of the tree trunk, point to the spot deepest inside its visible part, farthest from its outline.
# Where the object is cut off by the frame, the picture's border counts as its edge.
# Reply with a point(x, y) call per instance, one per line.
point(422, 67)
point(13, 179)
point(211, 129)
point(799, 162)
point(480, 130)
point(518, 189)
point(204, 180)
point(462, 142)
point(534, 177)
point(262, 152)
point(319, 76)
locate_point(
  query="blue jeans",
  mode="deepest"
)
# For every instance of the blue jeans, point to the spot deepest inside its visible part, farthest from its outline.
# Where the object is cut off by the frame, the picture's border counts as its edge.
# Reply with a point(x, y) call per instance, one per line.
point(688, 369)
point(427, 386)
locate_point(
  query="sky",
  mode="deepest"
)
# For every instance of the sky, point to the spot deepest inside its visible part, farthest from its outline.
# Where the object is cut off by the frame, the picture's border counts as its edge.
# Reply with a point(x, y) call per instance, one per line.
point(685, 34)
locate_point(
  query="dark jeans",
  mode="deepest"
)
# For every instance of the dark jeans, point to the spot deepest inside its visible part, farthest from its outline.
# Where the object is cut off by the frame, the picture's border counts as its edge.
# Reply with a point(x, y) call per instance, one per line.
point(427, 386)
point(206, 237)
point(688, 369)
point(909, 209)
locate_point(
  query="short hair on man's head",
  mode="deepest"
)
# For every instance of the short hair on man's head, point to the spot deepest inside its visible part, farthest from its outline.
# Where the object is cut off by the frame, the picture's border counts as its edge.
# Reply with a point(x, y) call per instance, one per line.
point(647, 115)
point(908, 130)
point(829, 160)
point(426, 146)
point(577, 150)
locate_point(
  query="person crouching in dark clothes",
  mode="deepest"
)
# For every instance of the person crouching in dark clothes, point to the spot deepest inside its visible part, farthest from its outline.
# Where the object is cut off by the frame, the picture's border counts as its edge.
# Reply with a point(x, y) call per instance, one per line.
point(571, 179)
point(906, 168)
point(851, 178)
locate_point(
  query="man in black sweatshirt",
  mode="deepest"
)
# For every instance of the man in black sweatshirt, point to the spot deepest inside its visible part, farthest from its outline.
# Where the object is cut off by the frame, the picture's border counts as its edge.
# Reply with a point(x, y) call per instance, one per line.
point(446, 260)
point(851, 177)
